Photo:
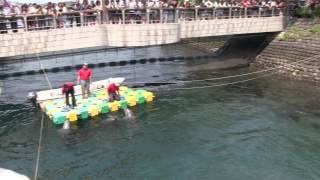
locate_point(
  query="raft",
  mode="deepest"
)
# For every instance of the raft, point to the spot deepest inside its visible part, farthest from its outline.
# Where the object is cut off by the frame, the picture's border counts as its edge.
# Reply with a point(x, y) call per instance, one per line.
point(52, 101)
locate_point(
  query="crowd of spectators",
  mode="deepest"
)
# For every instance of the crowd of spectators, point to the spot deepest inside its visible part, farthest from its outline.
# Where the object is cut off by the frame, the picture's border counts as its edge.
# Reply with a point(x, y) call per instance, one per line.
point(68, 14)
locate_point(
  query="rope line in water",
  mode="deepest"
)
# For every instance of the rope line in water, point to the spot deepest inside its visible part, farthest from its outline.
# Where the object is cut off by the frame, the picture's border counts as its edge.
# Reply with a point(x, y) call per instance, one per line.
point(44, 72)
point(223, 84)
point(233, 76)
point(41, 124)
point(39, 148)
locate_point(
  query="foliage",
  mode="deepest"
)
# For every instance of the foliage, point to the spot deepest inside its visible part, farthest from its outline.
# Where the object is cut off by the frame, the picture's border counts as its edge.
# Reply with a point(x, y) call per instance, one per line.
point(316, 12)
point(292, 34)
point(315, 29)
point(303, 12)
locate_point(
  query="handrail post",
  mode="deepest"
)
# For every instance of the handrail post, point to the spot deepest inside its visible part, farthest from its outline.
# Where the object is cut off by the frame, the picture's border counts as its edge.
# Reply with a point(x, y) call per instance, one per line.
point(106, 16)
point(99, 17)
point(123, 13)
point(177, 15)
point(148, 15)
point(272, 11)
point(25, 21)
point(54, 20)
point(214, 13)
point(161, 15)
point(196, 13)
point(259, 12)
point(230, 12)
point(245, 12)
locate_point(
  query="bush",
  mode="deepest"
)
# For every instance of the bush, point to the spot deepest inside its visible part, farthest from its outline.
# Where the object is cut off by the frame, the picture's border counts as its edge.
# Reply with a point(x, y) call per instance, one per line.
point(315, 29)
point(316, 12)
point(303, 12)
point(292, 34)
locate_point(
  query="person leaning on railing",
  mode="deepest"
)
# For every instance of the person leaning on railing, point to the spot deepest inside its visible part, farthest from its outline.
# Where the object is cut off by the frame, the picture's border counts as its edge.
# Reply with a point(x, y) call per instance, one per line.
point(3, 25)
point(76, 8)
point(62, 17)
point(48, 12)
point(13, 20)
point(84, 9)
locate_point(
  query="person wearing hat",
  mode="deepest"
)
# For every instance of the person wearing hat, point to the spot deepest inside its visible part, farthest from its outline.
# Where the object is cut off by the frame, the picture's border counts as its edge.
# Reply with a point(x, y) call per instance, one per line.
point(113, 91)
point(84, 79)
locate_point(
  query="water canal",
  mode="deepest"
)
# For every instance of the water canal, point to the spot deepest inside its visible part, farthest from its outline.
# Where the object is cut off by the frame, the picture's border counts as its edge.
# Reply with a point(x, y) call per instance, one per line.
point(266, 128)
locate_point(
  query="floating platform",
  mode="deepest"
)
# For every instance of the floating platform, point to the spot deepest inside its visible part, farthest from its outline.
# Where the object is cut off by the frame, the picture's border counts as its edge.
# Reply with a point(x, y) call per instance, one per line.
point(53, 104)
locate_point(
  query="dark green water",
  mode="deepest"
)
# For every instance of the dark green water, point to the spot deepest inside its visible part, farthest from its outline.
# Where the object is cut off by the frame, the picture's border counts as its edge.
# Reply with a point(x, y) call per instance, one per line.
point(266, 129)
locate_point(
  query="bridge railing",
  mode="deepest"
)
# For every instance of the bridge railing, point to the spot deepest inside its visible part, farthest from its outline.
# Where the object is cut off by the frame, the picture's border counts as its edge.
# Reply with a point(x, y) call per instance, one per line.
point(129, 16)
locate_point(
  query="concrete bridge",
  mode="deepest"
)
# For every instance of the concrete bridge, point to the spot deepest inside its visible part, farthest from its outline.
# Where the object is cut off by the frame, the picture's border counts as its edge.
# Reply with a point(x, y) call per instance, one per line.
point(104, 33)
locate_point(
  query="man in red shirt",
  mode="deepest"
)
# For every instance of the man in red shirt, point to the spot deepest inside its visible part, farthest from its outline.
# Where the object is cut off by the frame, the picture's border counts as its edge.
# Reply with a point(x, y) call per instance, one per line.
point(84, 79)
point(113, 91)
point(68, 89)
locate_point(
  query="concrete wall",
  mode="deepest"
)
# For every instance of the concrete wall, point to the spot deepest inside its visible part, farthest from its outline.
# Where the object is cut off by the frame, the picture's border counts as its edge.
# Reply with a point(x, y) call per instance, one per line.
point(296, 59)
point(126, 35)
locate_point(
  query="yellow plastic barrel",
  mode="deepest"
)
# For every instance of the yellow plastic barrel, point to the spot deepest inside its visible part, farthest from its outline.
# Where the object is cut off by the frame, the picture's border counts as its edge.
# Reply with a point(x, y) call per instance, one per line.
point(72, 116)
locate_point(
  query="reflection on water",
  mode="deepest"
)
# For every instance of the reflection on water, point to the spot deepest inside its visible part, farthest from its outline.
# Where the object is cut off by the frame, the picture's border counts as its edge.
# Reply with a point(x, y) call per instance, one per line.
point(262, 129)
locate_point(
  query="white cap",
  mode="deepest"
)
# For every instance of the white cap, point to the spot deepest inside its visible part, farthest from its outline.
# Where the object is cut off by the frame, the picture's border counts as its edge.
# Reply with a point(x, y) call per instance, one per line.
point(85, 64)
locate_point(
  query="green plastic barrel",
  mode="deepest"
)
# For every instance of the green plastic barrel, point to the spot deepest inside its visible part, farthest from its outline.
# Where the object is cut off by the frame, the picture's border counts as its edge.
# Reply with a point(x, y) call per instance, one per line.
point(59, 117)
point(104, 108)
point(123, 104)
point(83, 112)
point(140, 98)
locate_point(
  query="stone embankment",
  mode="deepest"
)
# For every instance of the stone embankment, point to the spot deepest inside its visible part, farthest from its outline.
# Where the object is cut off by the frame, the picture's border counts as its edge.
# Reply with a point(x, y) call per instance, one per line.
point(294, 53)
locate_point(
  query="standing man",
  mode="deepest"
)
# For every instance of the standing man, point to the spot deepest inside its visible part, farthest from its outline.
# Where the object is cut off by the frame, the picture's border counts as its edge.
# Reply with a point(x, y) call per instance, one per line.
point(84, 79)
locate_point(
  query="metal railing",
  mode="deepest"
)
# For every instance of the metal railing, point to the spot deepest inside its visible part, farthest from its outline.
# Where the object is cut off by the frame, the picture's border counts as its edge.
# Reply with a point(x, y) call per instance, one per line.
point(129, 16)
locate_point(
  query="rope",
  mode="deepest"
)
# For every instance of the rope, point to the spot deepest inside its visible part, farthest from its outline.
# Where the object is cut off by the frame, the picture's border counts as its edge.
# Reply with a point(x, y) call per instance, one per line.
point(41, 126)
point(44, 71)
point(223, 84)
point(234, 76)
point(39, 149)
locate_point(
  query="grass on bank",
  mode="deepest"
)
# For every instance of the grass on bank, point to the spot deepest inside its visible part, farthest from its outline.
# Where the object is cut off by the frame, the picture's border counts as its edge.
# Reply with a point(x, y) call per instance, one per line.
point(292, 34)
point(315, 29)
